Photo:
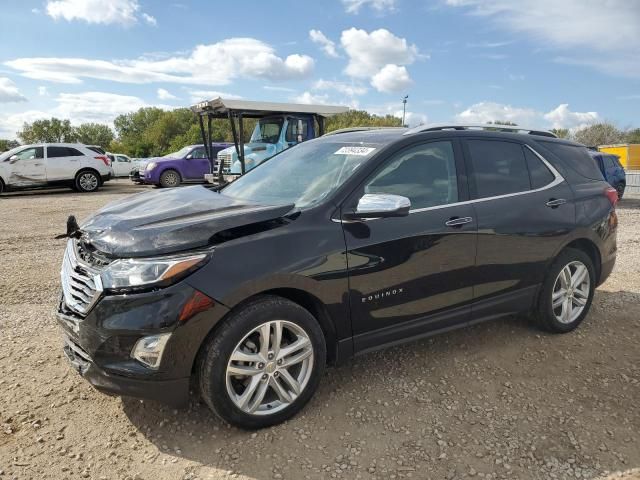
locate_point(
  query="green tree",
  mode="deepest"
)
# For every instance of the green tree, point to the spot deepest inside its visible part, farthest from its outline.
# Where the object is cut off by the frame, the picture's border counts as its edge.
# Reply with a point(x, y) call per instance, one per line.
point(360, 118)
point(633, 136)
point(131, 127)
point(94, 134)
point(598, 134)
point(53, 130)
point(560, 132)
point(8, 145)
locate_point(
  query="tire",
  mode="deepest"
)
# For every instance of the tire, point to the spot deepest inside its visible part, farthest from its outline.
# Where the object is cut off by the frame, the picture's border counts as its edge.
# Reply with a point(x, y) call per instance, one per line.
point(87, 181)
point(566, 315)
point(1, 187)
point(222, 381)
point(170, 178)
point(620, 189)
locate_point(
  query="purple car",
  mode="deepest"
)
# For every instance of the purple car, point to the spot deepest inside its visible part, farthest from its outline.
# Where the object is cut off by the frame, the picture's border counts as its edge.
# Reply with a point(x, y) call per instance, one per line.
point(187, 165)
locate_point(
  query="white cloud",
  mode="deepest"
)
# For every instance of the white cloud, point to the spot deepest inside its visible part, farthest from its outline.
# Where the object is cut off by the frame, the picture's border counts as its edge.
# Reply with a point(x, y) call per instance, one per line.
point(309, 98)
point(354, 6)
point(201, 95)
point(485, 112)
point(369, 52)
point(99, 107)
point(351, 90)
point(273, 88)
point(215, 64)
point(391, 78)
point(42, 91)
point(124, 12)
point(562, 117)
point(9, 92)
point(559, 117)
point(151, 20)
point(165, 95)
point(328, 46)
point(574, 26)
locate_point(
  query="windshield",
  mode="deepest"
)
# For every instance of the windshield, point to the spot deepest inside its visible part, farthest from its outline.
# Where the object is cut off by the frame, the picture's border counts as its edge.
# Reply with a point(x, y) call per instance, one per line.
point(302, 175)
point(267, 130)
point(179, 154)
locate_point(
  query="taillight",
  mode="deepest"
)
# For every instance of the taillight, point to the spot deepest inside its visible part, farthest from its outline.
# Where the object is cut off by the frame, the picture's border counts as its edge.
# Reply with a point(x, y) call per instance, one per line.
point(104, 159)
point(612, 195)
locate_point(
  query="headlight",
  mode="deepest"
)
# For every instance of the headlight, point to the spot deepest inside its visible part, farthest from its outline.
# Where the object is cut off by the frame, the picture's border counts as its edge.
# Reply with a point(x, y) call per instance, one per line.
point(151, 166)
point(146, 272)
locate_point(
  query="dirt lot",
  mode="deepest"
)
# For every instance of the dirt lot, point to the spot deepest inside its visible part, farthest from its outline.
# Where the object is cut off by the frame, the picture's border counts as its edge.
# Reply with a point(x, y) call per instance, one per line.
point(498, 400)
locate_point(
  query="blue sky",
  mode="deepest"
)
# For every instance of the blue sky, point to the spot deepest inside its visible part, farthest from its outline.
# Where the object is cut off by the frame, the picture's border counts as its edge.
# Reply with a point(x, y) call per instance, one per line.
point(543, 63)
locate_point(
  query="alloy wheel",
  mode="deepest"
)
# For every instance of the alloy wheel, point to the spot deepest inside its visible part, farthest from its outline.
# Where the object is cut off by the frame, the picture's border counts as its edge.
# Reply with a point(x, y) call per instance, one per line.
point(269, 368)
point(88, 182)
point(171, 179)
point(570, 292)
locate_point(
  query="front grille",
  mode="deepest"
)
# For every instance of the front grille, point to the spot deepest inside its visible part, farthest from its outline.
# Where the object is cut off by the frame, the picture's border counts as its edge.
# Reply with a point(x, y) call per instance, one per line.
point(81, 285)
point(78, 357)
point(225, 158)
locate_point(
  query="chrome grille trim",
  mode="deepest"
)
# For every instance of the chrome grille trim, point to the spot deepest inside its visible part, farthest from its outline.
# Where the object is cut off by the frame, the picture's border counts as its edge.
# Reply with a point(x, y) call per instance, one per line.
point(81, 285)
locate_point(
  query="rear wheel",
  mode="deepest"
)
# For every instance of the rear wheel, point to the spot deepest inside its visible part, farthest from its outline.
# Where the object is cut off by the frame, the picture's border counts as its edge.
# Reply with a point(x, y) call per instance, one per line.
point(87, 181)
point(170, 178)
point(567, 292)
point(263, 364)
point(1, 187)
point(620, 190)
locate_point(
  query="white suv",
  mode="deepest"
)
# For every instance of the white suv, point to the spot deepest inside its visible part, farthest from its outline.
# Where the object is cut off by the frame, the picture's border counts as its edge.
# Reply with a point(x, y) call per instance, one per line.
point(55, 165)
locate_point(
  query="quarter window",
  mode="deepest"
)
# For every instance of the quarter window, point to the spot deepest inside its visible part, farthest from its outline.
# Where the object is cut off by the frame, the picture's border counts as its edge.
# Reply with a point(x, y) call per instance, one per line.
point(425, 174)
point(538, 171)
point(499, 168)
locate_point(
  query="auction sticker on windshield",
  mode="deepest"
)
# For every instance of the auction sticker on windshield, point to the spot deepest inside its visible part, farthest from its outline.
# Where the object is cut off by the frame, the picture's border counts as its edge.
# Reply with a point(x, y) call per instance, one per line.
point(360, 151)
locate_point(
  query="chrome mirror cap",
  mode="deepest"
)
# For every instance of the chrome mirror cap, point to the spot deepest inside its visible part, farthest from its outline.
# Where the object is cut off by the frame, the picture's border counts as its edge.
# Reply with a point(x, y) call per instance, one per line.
point(379, 205)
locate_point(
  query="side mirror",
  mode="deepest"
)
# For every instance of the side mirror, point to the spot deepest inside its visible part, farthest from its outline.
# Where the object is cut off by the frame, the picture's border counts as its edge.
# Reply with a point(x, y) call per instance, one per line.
point(381, 205)
point(189, 157)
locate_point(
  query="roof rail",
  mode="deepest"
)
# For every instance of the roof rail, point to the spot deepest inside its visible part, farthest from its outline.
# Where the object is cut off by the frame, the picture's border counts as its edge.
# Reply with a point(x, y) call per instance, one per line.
point(360, 129)
point(488, 126)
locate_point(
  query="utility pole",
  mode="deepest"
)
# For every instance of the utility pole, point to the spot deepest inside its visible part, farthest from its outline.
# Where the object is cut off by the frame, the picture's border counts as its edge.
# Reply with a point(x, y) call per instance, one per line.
point(404, 108)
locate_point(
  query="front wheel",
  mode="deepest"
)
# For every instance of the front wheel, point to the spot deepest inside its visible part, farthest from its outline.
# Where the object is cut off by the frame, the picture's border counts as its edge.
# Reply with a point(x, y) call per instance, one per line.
point(263, 364)
point(170, 178)
point(567, 292)
point(87, 181)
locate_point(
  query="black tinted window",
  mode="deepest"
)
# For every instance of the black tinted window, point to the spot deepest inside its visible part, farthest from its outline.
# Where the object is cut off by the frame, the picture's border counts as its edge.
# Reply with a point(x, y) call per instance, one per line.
point(198, 153)
point(425, 174)
point(498, 167)
point(608, 161)
point(538, 171)
point(576, 157)
point(53, 152)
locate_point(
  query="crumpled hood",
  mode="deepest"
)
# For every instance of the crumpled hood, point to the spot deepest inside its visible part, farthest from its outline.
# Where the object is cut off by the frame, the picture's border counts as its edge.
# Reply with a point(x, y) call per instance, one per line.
point(166, 221)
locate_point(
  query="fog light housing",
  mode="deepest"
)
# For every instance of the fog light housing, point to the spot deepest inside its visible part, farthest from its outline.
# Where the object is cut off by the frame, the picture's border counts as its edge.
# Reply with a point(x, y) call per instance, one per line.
point(149, 350)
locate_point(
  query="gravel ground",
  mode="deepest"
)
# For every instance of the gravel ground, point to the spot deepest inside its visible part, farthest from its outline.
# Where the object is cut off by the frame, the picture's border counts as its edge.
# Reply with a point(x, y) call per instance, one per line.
point(497, 400)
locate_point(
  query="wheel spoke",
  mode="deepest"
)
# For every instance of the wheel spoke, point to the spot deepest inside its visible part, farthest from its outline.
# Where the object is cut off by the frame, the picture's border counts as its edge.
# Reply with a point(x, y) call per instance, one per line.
point(283, 395)
point(579, 276)
point(240, 356)
point(298, 357)
point(566, 310)
point(265, 335)
point(243, 399)
point(292, 382)
point(579, 301)
point(243, 370)
point(558, 298)
point(277, 337)
point(582, 293)
point(565, 277)
point(300, 343)
point(259, 396)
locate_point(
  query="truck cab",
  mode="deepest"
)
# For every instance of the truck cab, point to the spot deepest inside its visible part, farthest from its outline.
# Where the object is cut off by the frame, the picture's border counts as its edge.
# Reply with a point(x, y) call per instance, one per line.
point(271, 135)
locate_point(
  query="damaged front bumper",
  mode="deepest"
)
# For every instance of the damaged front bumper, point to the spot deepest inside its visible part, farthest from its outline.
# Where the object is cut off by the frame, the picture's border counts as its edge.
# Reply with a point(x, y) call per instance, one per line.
point(99, 345)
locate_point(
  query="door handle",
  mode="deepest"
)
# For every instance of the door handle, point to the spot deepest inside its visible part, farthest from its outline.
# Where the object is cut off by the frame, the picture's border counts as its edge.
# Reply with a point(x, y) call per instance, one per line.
point(458, 221)
point(555, 202)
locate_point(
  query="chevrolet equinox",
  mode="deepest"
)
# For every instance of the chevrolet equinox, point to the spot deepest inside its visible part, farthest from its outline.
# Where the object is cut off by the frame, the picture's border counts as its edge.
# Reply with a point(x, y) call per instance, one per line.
point(339, 246)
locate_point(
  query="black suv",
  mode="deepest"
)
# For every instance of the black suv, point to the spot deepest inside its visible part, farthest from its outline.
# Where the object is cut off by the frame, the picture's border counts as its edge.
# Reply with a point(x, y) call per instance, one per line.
point(339, 246)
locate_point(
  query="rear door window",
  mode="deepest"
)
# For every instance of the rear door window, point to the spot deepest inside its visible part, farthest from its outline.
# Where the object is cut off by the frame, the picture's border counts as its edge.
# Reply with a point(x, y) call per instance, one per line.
point(538, 172)
point(498, 168)
point(55, 152)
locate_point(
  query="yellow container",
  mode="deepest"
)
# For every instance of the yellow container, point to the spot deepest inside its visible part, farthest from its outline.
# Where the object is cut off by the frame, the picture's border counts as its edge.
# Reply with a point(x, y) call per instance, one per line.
point(629, 154)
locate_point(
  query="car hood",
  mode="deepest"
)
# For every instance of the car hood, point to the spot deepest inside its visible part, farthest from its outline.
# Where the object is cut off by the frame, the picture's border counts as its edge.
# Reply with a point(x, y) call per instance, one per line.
point(173, 220)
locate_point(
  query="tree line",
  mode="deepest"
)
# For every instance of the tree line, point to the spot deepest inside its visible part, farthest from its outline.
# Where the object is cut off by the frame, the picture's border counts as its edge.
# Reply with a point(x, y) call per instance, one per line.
point(151, 131)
